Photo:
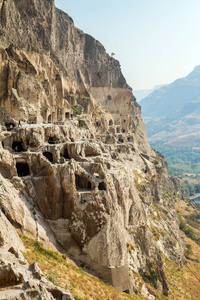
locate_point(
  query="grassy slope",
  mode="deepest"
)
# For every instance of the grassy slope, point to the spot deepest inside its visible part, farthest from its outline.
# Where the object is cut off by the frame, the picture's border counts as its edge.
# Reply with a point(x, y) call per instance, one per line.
point(184, 282)
point(81, 284)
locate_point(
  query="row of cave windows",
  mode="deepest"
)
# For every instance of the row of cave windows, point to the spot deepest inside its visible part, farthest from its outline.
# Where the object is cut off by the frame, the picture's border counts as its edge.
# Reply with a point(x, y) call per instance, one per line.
point(81, 181)
point(10, 126)
point(118, 129)
point(110, 123)
point(19, 147)
point(67, 116)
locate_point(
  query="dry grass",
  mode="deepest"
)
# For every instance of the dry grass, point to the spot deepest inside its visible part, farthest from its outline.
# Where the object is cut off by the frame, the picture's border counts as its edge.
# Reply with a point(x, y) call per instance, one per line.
point(81, 284)
point(187, 279)
point(183, 207)
point(184, 282)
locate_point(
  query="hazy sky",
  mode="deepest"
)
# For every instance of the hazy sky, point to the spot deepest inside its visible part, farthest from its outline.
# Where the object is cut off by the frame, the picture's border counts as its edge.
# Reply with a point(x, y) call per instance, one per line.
point(156, 41)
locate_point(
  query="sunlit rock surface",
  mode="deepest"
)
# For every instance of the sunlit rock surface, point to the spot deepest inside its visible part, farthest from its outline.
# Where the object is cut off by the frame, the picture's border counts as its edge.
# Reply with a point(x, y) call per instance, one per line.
point(77, 169)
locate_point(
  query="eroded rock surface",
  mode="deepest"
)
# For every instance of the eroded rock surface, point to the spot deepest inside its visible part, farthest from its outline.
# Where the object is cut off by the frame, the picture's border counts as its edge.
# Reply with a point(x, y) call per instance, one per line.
point(19, 281)
point(79, 164)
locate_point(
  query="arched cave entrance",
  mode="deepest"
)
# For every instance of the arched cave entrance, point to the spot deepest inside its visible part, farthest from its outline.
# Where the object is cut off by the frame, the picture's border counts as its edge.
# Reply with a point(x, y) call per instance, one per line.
point(89, 186)
point(9, 126)
point(102, 186)
point(67, 115)
point(22, 169)
point(82, 182)
point(109, 97)
point(123, 130)
point(18, 146)
point(48, 155)
point(49, 118)
point(121, 140)
point(50, 140)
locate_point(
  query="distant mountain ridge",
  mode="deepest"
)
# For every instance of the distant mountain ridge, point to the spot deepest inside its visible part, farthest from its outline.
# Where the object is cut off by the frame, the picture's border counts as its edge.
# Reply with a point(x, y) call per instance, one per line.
point(174, 106)
point(172, 118)
point(141, 94)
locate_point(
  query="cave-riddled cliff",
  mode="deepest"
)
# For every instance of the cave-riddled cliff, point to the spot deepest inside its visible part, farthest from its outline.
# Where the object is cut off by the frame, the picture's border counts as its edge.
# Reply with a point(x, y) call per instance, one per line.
point(80, 159)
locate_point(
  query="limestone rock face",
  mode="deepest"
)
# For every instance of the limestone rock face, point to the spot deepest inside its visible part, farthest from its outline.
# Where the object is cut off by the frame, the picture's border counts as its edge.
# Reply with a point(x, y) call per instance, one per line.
point(20, 281)
point(78, 168)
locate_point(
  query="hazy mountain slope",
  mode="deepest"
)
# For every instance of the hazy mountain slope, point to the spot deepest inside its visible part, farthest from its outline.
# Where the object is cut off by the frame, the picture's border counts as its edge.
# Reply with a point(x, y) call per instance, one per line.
point(141, 94)
point(173, 107)
point(172, 117)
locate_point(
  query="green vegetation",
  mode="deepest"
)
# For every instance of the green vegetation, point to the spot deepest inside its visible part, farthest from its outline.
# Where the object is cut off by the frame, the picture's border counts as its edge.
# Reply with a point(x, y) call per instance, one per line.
point(193, 220)
point(77, 298)
point(180, 160)
point(188, 250)
point(75, 109)
point(39, 247)
point(83, 201)
point(189, 232)
point(190, 188)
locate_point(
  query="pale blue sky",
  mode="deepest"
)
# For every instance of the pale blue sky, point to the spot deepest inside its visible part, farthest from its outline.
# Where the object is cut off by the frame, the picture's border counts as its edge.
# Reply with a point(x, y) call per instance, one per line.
point(156, 41)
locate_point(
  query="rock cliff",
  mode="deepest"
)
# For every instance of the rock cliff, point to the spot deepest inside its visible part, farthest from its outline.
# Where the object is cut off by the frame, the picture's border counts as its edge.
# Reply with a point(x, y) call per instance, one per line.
point(77, 169)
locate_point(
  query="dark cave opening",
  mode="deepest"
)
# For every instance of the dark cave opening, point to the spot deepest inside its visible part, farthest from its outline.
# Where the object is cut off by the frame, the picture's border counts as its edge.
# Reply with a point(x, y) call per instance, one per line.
point(66, 154)
point(18, 146)
point(67, 115)
point(22, 169)
point(10, 126)
point(50, 140)
point(49, 119)
point(48, 155)
point(102, 186)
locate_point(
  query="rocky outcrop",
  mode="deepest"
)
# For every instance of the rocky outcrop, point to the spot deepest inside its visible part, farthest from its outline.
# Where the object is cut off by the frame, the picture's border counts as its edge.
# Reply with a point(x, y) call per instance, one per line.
point(79, 169)
point(18, 280)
